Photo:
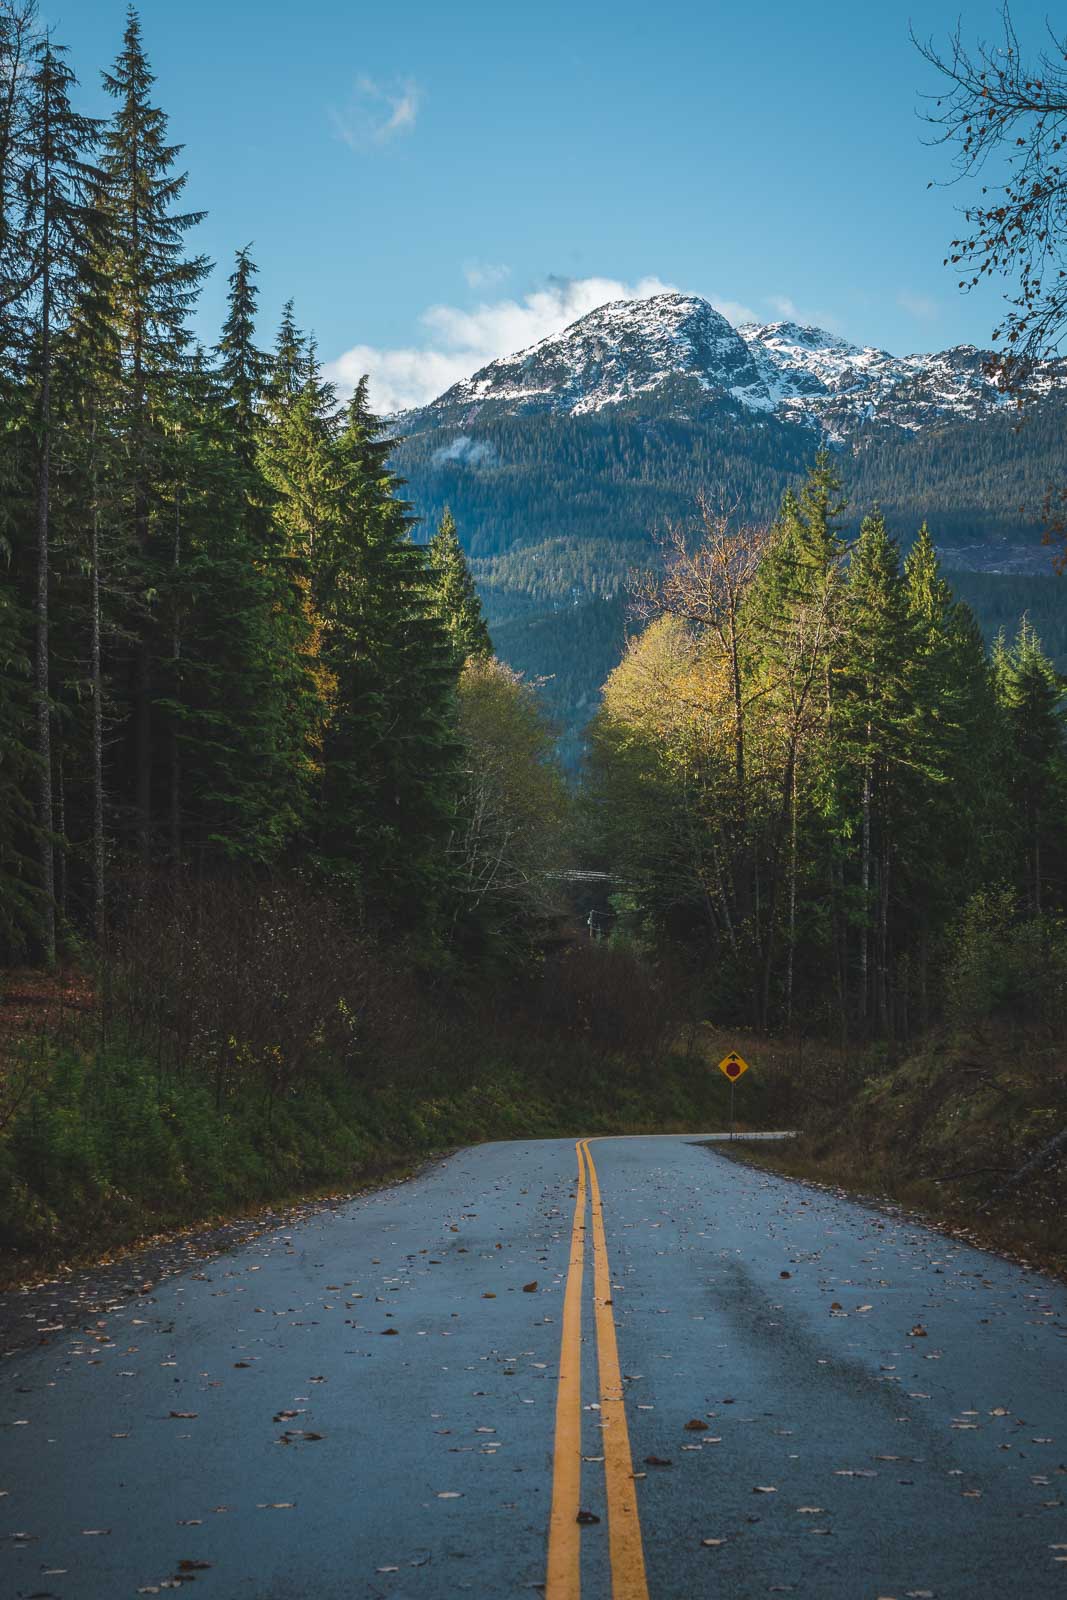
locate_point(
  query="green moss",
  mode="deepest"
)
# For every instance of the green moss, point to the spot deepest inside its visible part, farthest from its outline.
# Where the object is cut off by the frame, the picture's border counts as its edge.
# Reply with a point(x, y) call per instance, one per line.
point(105, 1150)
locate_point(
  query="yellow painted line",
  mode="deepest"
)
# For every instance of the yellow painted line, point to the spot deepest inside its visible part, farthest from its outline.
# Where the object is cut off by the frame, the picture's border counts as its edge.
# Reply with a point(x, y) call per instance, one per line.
point(628, 1580)
point(564, 1577)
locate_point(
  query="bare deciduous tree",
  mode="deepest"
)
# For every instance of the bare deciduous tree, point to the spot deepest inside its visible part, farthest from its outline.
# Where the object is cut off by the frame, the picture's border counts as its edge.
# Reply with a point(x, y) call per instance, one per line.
point(1007, 120)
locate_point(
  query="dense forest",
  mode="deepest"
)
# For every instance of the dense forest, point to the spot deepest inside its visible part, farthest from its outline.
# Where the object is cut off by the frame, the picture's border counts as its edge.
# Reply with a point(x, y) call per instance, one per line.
point(619, 474)
point(810, 766)
point(555, 511)
point(221, 645)
point(286, 849)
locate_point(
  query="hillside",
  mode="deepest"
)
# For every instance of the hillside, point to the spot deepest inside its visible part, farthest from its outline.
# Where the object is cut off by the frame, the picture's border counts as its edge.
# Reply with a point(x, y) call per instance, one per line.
point(962, 1129)
point(561, 462)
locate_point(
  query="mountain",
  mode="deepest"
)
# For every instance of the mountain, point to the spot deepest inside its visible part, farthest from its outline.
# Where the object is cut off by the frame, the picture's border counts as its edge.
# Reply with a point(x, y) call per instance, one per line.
point(678, 348)
point(560, 462)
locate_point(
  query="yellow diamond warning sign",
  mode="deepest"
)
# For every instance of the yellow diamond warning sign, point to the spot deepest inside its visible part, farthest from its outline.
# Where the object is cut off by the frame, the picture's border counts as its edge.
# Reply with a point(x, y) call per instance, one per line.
point(732, 1066)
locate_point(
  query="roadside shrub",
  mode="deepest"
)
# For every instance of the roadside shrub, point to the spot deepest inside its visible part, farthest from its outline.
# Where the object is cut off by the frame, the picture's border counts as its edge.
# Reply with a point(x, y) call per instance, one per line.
point(609, 995)
point(1004, 966)
point(247, 983)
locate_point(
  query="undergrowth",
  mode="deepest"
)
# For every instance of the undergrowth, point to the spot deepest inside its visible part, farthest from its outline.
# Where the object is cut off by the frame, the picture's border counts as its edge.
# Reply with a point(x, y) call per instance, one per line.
point(947, 1132)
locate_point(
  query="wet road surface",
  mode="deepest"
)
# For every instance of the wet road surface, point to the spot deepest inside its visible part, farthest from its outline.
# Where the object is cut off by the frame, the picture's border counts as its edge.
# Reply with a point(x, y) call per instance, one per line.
point(788, 1393)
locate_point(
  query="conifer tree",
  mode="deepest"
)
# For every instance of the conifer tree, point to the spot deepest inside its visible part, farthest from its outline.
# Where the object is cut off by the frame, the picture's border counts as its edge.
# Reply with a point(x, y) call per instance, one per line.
point(18, 42)
point(878, 718)
point(242, 703)
point(20, 895)
point(953, 795)
point(796, 606)
point(154, 286)
point(87, 499)
point(242, 367)
point(456, 599)
point(57, 231)
point(1032, 695)
point(390, 751)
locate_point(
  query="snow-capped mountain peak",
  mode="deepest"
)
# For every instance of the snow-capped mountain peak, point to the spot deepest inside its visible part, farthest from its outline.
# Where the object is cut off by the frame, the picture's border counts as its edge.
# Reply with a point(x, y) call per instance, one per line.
point(613, 354)
point(680, 350)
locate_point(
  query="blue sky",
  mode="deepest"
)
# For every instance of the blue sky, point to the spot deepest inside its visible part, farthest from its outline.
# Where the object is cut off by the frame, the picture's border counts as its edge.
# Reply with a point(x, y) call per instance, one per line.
point(437, 184)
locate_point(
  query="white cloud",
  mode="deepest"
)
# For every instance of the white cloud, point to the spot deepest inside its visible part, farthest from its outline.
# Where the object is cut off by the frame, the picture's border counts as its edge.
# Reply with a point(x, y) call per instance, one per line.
point(462, 341)
point(483, 275)
point(472, 452)
point(918, 305)
point(398, 378)
point(734, 311)
point(789, 311)
point(376, 112)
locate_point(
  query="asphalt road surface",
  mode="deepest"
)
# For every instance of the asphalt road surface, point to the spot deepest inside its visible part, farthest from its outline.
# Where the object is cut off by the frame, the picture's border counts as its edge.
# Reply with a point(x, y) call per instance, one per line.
point(628, 1369)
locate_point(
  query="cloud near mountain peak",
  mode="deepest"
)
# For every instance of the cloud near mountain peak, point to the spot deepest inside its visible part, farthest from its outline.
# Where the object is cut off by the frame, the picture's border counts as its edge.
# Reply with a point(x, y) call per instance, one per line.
point(461, 341)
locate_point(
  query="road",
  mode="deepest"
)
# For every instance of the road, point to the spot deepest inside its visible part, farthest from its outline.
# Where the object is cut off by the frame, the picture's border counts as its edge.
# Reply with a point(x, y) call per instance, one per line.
point(753, 1387)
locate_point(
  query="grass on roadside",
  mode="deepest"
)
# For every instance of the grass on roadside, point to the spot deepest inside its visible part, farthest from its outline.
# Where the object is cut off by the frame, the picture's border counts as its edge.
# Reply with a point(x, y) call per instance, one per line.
point(943, 1132)
point(104, 1150)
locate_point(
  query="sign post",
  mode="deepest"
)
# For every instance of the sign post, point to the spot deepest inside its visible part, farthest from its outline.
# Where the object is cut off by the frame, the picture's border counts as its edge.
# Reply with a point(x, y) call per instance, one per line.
point(732, 1066)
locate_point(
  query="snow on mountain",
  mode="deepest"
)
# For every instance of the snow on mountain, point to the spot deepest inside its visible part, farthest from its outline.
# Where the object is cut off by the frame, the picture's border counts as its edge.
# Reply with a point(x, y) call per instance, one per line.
point(680, 349)
point(615, 353)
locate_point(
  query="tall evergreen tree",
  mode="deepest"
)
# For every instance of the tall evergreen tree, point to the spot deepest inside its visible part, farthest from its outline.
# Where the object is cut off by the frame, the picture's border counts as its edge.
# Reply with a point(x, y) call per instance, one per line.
point(154, 286)
point(57, 229)
point(243, 702)
point(1032, 695)
point(390, 751)
point(456, 599)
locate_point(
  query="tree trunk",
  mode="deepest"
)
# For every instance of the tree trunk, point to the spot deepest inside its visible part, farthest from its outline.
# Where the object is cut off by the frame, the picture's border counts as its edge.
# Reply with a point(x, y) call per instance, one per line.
point(175, 745)
point(61, 828)
point(41, 685)
point(865, 884)
point(142, 686)
point(792, 904)
point(99, 886)
point(741, 872)
point(882, 975)
point(840, 937)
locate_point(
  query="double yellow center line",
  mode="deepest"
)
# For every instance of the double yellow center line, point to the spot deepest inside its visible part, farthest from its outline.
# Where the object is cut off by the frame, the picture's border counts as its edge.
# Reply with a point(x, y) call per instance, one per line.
point(564, 1577)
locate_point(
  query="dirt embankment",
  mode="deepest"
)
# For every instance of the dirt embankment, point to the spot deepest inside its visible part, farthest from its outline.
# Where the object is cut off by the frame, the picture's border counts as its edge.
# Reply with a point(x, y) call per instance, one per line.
point(965, 1131)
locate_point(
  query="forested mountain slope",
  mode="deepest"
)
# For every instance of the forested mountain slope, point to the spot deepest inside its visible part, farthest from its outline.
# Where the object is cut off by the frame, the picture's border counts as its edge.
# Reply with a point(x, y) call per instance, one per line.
point(561, 463)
